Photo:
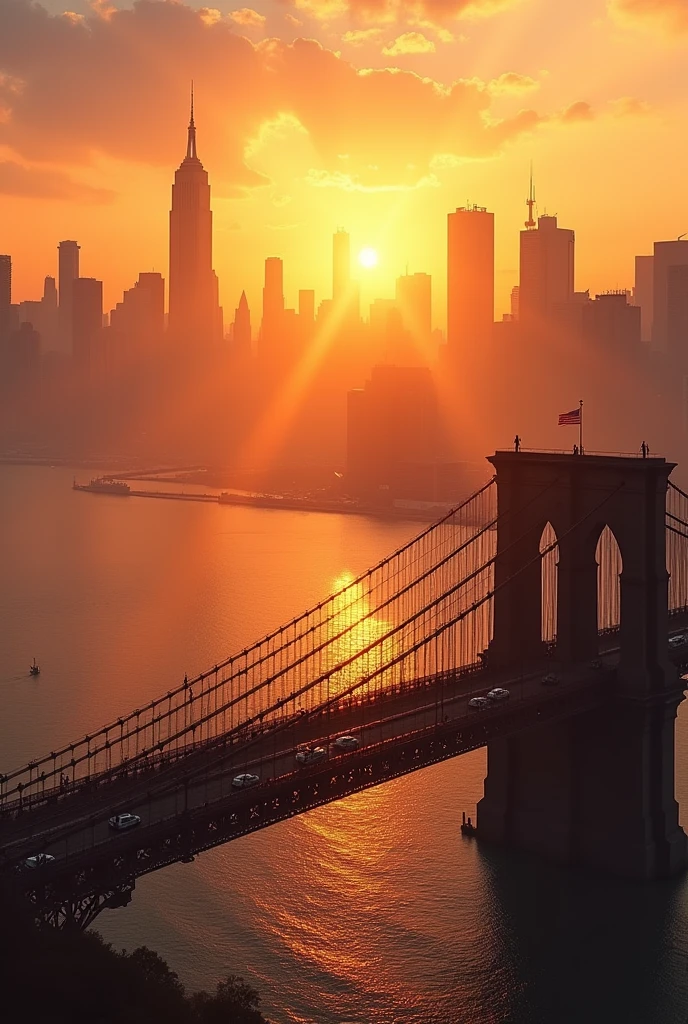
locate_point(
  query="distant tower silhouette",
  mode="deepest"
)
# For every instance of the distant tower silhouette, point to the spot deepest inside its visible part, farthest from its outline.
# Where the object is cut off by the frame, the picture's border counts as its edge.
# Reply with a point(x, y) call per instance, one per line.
point(5, 293)
point(68, 271)
point(195, 317)
point(87, 313)
point(470, 279)
point(666, 288)
point(530, 203)
point(272, 327)
point(242, 327)
point(341, 264)
point(414, 302)
point(546, 271)
point(346, 298)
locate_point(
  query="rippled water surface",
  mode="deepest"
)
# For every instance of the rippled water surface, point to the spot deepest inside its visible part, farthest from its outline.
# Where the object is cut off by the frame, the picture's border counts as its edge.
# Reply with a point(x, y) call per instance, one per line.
point(372, 910)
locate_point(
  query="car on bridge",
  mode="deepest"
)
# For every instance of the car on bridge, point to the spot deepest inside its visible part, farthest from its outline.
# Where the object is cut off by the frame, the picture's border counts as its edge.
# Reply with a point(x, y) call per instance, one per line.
point(245, 780)
point(310, 755)
point(677, 641)
point(347, 743)
point(122, 822)
point(479, 703)
point(38, 860)
point(498, 693)
point(551, 679)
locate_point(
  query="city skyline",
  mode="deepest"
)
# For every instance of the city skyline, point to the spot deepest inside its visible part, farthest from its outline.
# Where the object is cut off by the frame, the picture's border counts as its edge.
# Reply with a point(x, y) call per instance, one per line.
point(105, 177)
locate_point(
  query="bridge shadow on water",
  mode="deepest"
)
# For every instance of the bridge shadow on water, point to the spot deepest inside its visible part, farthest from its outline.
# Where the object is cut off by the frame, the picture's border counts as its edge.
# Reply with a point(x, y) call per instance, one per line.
point(580, 948)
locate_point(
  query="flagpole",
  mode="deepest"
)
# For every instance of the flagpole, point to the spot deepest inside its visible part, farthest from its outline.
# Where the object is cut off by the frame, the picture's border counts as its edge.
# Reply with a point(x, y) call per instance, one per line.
point(580, 426)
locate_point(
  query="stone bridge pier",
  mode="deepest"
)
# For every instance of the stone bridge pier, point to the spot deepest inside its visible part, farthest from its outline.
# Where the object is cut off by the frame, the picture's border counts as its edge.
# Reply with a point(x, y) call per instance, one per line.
point(596, 790)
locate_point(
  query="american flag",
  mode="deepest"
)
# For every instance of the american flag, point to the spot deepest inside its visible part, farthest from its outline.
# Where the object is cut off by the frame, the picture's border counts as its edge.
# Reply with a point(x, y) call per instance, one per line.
point(570, 419)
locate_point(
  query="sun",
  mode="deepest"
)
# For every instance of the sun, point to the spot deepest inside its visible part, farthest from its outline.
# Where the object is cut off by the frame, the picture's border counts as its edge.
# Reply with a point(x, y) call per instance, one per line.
point(368, 258)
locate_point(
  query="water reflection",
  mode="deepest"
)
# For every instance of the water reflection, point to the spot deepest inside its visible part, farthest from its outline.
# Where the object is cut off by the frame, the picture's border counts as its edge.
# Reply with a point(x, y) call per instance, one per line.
point(359, 640)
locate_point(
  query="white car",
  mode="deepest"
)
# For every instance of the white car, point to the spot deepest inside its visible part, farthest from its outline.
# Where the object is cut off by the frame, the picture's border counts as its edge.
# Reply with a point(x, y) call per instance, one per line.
point(121, 822)
point(311, 755)
point(677, 641)
point(39, 860)
point(550, 679)
point(347, 743)
point(479, 703)
point(498, 694)
point(245, 780)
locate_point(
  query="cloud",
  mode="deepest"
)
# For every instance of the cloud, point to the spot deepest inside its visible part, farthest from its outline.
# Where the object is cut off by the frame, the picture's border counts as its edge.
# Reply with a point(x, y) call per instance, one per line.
point(247, 17)
point(352, 183)
point(409, 42)
point(359, 37)
point(38, 183)
point(386, 11)
point(580, 111)
point(665, 15)
point(209, 15)
point(117, 86)
point(513, 84)
point(629, 106)
point(442, 33)
point(104, 8)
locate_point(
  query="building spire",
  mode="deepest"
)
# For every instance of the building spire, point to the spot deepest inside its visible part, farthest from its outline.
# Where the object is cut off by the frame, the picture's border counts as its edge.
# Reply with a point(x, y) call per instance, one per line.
point(530, 201)
point(191, 144)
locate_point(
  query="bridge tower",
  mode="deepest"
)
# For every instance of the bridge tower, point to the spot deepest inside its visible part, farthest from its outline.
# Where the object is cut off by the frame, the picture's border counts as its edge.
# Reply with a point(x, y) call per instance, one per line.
point(595, 790)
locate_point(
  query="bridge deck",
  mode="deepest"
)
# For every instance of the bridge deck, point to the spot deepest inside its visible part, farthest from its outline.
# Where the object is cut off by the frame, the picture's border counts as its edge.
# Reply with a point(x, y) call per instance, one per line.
point(192, 806)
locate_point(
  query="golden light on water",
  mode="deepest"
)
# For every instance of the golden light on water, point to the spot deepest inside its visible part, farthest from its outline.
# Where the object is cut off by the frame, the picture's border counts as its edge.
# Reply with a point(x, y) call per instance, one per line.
point(356, 629)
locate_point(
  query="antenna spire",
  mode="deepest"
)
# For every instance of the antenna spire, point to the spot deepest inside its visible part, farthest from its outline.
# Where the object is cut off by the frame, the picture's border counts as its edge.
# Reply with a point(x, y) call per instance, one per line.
point(530, 201)
point(191, 143)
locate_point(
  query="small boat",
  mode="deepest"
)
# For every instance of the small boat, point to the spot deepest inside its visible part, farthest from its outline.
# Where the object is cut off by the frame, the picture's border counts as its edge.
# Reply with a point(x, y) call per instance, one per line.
point(104, 485)
point(34, 670)
point(467, 827)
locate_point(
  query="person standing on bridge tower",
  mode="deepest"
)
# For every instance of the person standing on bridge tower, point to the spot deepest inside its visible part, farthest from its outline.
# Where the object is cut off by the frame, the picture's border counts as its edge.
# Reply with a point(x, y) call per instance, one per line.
point(645, 449)
point(517, 443)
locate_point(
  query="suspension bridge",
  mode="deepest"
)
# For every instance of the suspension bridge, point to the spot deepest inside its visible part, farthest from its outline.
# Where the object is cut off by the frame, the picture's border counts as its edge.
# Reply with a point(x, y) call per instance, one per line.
point(563, 580)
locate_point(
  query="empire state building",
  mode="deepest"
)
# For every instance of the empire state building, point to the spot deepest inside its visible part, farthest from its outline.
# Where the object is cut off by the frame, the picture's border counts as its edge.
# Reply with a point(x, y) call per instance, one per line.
point(195, 317)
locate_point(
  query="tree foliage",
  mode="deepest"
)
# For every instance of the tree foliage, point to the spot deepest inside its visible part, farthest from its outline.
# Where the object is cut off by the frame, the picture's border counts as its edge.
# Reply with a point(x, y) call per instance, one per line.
point(74, 977)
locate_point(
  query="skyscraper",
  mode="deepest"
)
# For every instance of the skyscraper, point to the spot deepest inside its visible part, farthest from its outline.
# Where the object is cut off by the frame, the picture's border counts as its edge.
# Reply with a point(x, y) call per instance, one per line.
point(346, 296)
point(470, 278)
point(68, 271)
point(5, 293)
point(642, 293)
point(414, 302)
point(42, 316)
point(272, 326)
point(307, 308)
point(666, 255)
point(547, 271)
point(341, 265)
point(87, 318)
point(242, 327)
point(150, 288)
point(194, 312)
point(140, 317)
point(677, 313)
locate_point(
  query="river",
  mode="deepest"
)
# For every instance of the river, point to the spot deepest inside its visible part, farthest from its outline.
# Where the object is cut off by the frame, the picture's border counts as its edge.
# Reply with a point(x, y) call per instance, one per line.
point(372, 910)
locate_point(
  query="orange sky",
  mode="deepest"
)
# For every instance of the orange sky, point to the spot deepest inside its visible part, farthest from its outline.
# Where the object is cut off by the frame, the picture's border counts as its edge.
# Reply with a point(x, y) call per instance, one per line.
point(377, 115)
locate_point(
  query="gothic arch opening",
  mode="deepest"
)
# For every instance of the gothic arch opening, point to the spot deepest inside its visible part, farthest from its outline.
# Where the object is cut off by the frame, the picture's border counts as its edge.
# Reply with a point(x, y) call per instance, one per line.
point(609, 566)
point(549, 573)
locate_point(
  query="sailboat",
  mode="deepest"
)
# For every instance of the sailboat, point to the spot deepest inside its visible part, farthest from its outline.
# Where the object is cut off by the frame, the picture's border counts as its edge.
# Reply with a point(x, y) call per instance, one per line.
point(34, 670)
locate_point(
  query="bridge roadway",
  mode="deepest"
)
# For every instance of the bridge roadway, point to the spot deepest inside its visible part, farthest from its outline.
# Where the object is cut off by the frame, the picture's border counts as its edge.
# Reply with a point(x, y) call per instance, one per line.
point(191, 805)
